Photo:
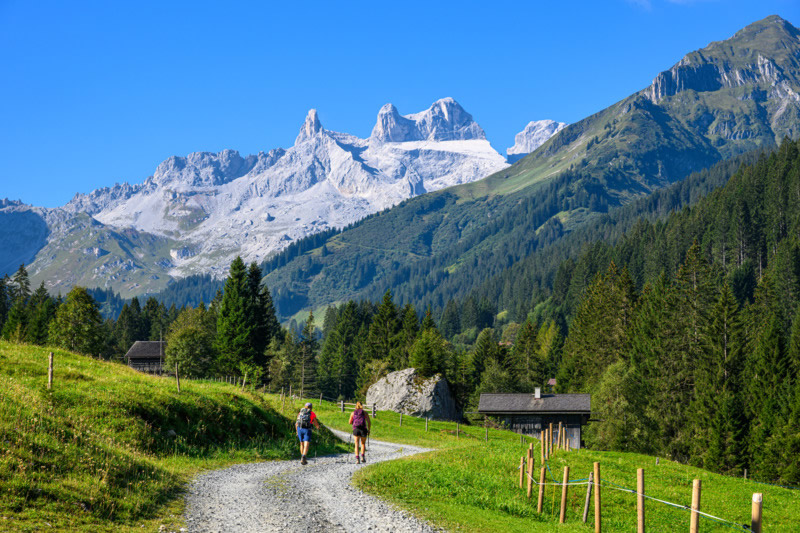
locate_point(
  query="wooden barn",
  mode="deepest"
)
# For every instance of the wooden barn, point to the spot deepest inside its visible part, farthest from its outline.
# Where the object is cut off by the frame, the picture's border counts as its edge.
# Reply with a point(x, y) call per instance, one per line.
point(530, 413)
point(146, 356)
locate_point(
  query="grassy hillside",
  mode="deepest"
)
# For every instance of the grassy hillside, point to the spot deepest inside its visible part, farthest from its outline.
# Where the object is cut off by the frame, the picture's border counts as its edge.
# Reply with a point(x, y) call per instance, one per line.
point(471, 485)
point(109, 449)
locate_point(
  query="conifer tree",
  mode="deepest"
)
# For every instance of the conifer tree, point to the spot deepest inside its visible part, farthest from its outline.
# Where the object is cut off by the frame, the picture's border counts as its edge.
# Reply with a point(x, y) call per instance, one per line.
point(716, 409)
point(429, 353)
point(337, 371)
point(41, 311)
point(306, 367)
point(234, 322)
point(4, 301)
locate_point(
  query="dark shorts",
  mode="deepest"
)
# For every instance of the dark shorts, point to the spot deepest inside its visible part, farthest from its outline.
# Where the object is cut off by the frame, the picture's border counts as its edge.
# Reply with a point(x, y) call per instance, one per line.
point(359, 431)
point(304, 434)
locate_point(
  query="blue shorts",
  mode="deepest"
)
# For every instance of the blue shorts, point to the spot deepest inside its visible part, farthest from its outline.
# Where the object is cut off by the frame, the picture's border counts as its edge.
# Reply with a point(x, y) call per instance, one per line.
point(304, 434)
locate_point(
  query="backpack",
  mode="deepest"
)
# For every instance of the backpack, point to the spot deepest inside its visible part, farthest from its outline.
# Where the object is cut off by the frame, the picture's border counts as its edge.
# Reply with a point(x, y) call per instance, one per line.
point(359, 418)
point(304, 418)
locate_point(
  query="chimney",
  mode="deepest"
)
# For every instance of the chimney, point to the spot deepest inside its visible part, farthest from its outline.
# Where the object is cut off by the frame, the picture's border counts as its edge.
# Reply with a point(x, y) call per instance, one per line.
point(537, 393)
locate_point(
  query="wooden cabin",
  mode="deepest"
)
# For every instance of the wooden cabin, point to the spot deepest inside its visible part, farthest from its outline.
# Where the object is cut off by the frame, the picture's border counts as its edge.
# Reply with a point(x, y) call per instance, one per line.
point(530, 413)
point(146, 356)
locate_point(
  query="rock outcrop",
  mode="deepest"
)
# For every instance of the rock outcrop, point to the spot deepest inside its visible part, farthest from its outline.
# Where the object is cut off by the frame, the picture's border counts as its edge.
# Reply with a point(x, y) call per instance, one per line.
point(535, 134)
point(405, 391)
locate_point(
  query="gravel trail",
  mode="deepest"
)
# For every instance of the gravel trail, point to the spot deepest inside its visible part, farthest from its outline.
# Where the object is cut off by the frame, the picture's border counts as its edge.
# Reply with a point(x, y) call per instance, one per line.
point(286, 496)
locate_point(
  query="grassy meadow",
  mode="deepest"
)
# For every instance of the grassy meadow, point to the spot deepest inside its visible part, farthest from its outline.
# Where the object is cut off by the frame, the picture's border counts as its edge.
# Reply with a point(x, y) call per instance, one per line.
point(110, 449)
point(468, 484)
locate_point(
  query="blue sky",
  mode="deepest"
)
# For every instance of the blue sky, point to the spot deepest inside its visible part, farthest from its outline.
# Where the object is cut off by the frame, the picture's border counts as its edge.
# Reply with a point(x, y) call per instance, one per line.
point(94, 93)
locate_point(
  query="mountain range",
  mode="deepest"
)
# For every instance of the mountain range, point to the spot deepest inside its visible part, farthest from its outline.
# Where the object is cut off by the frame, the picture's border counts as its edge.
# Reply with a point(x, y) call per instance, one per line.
point(196, 213)
point(731, 97)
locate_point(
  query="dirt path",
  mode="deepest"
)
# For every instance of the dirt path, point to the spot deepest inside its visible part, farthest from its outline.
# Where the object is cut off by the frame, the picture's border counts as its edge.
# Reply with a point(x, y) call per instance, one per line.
point(286, 496)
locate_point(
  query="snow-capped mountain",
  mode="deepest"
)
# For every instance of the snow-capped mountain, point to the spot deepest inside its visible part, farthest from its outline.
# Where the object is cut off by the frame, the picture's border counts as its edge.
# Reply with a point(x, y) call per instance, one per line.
point(204, 209)
point(535, 134)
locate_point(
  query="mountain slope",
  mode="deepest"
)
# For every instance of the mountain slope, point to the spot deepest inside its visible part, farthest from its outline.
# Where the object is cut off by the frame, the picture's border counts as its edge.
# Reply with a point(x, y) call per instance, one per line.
point(437, 247)
point(196, 213)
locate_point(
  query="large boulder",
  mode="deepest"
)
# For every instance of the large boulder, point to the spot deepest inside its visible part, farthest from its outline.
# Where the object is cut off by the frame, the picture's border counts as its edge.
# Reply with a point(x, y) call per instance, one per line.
point(407, 392)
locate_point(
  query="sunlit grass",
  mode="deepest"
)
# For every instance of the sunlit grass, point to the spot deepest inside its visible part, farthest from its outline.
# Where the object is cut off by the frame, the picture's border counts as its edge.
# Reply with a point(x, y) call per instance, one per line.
point(109, 449)
point(468, 484)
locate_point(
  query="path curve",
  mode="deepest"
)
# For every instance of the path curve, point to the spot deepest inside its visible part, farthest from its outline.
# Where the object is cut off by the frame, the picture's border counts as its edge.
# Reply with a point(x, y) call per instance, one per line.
point(286, 496)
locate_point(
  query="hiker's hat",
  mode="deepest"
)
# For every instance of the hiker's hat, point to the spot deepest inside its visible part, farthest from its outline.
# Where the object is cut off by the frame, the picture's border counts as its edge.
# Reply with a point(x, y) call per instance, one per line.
point(308, 404)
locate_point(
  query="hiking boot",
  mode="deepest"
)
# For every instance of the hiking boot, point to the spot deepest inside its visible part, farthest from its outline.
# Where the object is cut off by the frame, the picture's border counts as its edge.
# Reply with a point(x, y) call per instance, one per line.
point(358, 460)
point(303, 460)
point(363, 458)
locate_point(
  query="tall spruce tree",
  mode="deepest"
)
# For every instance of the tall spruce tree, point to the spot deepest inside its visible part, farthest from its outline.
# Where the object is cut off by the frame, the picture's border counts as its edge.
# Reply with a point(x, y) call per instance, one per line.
point(235, 322)
point(306, 367)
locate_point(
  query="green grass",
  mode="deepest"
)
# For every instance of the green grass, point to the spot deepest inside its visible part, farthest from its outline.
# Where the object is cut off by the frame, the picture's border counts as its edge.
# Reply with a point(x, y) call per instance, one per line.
point(97, 453)
point(470, 485)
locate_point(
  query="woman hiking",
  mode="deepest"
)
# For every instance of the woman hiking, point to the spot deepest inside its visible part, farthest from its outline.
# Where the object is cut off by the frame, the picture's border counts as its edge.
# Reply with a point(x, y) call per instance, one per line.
point(361, 423)
point(305, 420)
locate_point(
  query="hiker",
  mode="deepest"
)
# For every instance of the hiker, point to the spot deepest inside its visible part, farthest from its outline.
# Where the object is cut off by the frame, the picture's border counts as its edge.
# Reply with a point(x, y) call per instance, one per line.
point(305, 420)
point(361, 423)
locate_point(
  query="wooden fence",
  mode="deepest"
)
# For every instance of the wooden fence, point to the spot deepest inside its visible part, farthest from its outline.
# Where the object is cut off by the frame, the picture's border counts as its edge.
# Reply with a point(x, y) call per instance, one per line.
point(595, 483)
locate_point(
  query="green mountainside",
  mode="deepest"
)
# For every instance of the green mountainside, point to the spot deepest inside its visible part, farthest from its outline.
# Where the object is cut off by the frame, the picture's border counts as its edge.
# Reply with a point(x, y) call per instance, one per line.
point(728, 98)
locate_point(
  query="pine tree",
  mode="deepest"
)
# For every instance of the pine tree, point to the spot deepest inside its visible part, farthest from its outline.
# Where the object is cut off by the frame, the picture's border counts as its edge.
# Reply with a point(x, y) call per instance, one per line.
point(4, 301)
point(77, 325)
point(528, 368)
point(306, 366)
point(20, 285)
point(234, 322)
point(337, 371)
point(41, 311)
point(429, 353)
point(380, 343)
point(450, 322)
point(717, 415)
point(406, 337)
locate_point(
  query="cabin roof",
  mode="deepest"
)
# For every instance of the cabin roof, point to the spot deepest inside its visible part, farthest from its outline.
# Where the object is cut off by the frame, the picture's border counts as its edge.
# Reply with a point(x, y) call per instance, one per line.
point(528, 403)
point(146, 350)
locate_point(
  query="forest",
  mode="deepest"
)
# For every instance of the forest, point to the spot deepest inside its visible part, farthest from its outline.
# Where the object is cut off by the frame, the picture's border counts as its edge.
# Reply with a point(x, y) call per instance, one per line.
point(682, 324)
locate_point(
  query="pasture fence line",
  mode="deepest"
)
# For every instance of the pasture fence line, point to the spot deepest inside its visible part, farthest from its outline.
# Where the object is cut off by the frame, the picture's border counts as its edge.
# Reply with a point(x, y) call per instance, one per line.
point(594, 482)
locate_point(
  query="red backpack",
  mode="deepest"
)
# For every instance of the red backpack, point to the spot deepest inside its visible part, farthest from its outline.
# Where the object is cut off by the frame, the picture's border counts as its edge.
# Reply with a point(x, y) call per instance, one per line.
point(359, 418)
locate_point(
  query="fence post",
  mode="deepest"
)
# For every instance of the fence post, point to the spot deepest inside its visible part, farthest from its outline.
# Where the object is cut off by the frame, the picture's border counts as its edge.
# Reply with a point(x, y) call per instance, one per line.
point(566, 446)
point(597, 513)
point(177, 377)
point(530, 473)
point(541, 434)
point(560, 435)
point(588, 497)
point(426, 423)
point(50, 372)
point(341, 405)
point(755, 520)
point(521, 470)
point(694, 525)
point(487, 433)
point(541, 491)
point(550, 441)
point(373, 410)
point(401, 419)
point(458, 431)
point(640, 498)
point(244, 381)
point(745, 474)
point(563, 517)
point(320, 398)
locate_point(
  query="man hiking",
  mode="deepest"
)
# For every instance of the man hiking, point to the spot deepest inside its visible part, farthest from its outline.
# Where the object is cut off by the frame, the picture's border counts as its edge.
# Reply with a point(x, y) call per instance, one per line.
point(361, 423)
point(305, 420)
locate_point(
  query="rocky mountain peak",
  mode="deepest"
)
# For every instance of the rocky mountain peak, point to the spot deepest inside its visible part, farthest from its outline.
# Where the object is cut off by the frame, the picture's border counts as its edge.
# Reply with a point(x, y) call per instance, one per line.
point(535, 134)
point(444, 120)
point(311, 127)
point(749, 57)
point(392, 127)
